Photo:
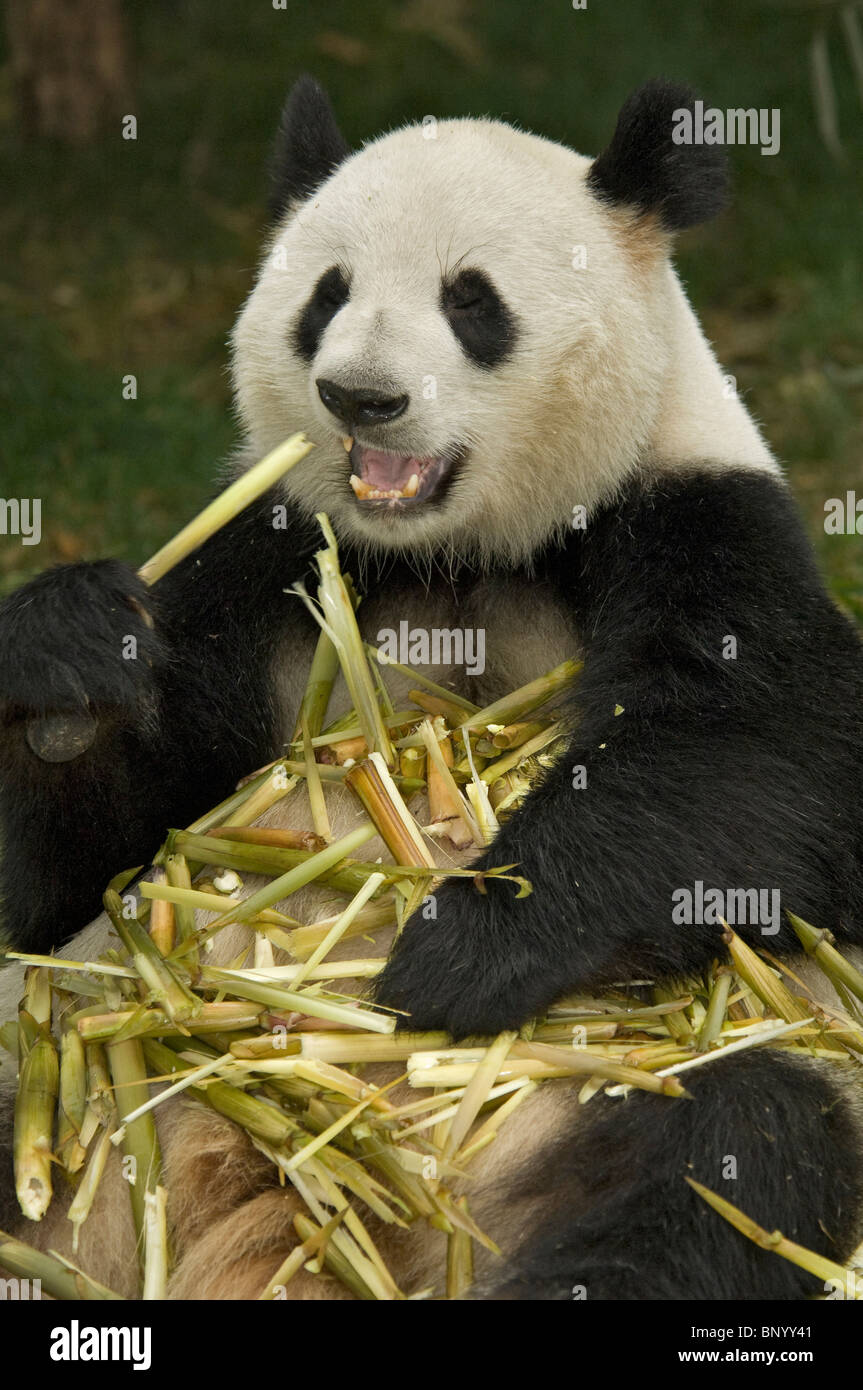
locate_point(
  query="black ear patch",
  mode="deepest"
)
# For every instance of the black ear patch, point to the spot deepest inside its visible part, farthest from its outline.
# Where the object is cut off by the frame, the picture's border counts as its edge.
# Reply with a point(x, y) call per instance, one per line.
point(644, 167)
point(309, 146)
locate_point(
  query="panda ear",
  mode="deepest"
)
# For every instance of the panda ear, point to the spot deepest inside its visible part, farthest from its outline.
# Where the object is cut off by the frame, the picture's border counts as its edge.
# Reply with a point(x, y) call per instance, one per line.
point(647, 165)
point(309, 146)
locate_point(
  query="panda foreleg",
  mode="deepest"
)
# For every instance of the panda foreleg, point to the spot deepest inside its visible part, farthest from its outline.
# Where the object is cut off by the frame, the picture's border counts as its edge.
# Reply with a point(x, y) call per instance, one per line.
point(687, 771)
point(171, 694)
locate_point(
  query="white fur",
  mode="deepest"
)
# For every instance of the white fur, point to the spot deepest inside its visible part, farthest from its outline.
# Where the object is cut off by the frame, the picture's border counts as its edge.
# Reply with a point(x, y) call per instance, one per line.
point(611, 371)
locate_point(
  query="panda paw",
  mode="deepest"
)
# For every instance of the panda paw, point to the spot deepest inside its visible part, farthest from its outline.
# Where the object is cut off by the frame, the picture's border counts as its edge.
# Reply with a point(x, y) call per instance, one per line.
point(468, 970)
point(80, 636)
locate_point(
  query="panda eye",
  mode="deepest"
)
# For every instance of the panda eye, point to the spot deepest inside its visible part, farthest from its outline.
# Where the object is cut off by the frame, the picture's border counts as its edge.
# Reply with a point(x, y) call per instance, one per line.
point(332, 289)
point(483, 324)
point(329, 295)
point(461, 305)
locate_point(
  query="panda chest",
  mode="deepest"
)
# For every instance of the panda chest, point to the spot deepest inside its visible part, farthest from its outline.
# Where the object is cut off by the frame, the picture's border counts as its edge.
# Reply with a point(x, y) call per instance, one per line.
point(482, 643)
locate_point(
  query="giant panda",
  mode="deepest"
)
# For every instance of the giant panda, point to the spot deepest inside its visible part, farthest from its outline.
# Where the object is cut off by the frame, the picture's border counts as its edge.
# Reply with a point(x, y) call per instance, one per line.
point(484, 334)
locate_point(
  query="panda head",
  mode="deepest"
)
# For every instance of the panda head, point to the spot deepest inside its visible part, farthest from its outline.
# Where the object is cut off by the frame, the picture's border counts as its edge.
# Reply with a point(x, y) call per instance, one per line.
point(473, 323)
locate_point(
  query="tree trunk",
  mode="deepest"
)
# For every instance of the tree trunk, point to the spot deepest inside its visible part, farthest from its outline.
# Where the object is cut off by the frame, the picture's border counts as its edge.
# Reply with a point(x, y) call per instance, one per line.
point(70, 67)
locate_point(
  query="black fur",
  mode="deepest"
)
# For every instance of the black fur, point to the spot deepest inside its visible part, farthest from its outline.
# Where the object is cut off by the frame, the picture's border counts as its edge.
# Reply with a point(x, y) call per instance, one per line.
point(329, 295)
point(309, 146)
point(737, 773)
point(621, 1223)
point(643, 168)
point(484, 325)
point(176, 728)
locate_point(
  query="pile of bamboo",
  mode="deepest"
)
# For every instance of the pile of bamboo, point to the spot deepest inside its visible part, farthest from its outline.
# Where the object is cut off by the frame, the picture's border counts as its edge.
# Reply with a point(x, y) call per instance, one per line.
point(286, 1054)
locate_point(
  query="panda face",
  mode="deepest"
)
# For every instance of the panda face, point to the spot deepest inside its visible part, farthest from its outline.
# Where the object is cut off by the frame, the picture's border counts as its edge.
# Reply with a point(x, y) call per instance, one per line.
point(473, 336)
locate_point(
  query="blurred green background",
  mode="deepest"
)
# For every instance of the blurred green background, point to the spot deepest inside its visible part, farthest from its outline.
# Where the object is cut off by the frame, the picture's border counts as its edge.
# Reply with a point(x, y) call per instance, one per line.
point(124, 257)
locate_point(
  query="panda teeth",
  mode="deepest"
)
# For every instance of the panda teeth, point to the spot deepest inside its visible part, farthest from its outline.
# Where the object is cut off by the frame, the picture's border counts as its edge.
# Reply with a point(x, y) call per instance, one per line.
point(347, 442)
point(364, 491)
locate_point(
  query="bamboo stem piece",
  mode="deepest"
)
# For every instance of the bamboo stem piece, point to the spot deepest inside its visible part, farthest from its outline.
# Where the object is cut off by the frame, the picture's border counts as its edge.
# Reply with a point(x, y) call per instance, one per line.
point(235, 498)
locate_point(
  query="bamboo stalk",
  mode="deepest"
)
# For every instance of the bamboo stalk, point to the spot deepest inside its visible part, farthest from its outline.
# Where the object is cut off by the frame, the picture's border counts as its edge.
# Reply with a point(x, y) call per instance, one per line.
point(306, 840)
point(715, 1016)
point(451, 710)
point(100, 1094)
point(338, 929)
point(488, 1130)
point(162, 929)
point(73, 1100)
point(192, 1078)
point(293, 975)
point(527, 698)
point(193, 898)
point(316, 1241)
point(33, 1127)
point(476, 1093)
point(302, 1156)
point(155, 1284)
point(335, 615)
point(333, 1258)
point(459, 1257)
point(518, 755)
point(819, 943)
point(762, 980)
point(268, 861)
point(775, 1241)
point(259, 1119)
point(314, 788)
point(232, 805)
point(140, 1141)
point(312, 867)
point(278, 785)
point(82, 1202)
point(445, 800)
point(319, 688)
point(289, 1001)
point(56, 1276)
point(180, 878)
point(165, 986)
point(222, 1016)
point(377, 916)
point(344, 1049)
point(514, 735)
point(382, 801)
point(235, 498)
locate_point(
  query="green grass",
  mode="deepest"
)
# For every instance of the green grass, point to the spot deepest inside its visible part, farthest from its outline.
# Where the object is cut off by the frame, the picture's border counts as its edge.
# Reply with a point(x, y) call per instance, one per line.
point(134, 257)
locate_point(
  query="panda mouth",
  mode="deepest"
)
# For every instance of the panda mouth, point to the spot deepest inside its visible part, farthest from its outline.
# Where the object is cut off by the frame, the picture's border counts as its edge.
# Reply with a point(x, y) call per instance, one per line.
point(396, 481)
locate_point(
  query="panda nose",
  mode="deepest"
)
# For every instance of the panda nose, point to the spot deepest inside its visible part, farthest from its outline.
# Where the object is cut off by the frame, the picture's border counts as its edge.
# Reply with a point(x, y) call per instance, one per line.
point(359, 406)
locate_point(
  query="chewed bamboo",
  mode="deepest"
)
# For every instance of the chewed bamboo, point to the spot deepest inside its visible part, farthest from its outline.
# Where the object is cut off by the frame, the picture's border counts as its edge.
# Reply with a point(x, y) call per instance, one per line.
point(223, 508)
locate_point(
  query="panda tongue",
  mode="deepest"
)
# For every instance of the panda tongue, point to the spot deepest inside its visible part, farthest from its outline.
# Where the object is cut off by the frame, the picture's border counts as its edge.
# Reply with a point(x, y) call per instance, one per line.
point(388, 471)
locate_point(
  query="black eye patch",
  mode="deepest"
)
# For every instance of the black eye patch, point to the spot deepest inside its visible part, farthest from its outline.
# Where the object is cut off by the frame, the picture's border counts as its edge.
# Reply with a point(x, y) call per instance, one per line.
point(329, 295)
point(483, 324)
